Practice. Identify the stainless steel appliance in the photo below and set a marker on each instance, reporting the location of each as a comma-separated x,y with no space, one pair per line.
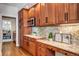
32,22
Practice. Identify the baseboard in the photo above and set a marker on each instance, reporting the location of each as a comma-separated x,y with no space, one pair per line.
17,45
8,40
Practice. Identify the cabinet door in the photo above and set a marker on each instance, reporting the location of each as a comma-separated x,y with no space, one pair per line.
25,18
60,13
41,51
31,12
42,20
72,13
27,30
50,14
26,43
37,14
32,48
38,50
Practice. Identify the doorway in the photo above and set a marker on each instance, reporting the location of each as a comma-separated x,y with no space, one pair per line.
8,29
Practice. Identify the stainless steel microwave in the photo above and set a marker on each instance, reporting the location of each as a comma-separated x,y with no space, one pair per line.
31,22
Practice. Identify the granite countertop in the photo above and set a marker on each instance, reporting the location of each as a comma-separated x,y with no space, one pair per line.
0,49
67,47
32,36
64,46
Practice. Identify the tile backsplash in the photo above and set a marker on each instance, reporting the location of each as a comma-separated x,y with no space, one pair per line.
72,29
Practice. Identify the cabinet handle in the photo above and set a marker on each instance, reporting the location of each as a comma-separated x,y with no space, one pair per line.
66,16
65,53
46,19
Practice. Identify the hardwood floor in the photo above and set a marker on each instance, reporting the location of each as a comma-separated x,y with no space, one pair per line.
9,49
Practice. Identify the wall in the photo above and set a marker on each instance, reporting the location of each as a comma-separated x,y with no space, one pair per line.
0,28
11,12
72,29
8,10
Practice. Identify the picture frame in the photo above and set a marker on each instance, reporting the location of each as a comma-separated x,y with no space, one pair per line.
58,37
66,38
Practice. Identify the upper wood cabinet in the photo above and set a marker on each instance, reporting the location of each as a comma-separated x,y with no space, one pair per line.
37,14
60,12
66,13
50,14
73,13
55,13
42,12
47,14
31,12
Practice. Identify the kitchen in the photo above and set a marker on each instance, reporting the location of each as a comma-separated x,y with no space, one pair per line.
50,29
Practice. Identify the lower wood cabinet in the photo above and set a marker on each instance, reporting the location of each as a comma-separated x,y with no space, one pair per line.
41,49
32,48
26,43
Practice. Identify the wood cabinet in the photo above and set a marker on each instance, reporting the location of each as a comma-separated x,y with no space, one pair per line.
30,45
20,16
31,12
23,28
64,52
67,13
37,48
41,50
32,48
73,13
50,14
47,14
60,9
42,16
26,43
37,14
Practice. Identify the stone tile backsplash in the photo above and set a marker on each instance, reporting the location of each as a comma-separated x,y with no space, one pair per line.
72,29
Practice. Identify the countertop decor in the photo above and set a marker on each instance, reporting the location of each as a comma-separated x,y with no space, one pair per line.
50,36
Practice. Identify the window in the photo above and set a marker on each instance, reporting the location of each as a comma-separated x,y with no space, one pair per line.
6,25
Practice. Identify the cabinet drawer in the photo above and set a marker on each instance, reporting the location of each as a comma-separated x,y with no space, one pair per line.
48,46
65,52
32,39
41,44
62,51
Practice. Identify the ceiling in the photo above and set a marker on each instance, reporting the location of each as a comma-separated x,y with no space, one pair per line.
19,5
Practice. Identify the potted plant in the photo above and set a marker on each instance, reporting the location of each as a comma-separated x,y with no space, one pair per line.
50,36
